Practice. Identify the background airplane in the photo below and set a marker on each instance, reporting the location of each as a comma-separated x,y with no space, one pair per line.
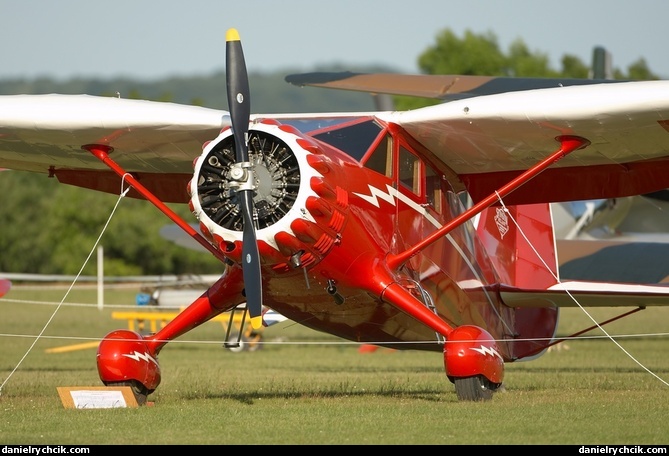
5,286
354,223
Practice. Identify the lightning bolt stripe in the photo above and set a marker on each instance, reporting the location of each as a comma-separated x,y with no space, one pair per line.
391,194
486,351
143,356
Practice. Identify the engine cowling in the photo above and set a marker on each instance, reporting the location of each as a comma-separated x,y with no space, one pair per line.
298,212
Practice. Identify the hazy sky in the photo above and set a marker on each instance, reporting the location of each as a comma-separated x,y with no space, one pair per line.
150,39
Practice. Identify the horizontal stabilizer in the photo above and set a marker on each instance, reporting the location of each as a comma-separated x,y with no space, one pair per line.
587,294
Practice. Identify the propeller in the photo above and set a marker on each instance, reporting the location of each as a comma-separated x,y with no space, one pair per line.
240,111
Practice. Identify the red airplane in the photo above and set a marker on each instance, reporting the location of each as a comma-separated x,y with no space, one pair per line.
359,224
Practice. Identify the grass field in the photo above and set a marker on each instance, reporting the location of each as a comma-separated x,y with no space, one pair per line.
304,387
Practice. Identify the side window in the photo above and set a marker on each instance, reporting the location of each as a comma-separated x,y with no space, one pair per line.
423,180
409,170
381,160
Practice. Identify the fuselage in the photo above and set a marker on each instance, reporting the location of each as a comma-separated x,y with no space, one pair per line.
365,190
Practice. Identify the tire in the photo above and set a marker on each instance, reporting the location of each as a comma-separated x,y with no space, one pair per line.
235,344
476,388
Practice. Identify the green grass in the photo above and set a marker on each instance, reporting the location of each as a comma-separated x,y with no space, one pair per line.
304,387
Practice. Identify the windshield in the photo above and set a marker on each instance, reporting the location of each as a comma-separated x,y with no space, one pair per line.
352,135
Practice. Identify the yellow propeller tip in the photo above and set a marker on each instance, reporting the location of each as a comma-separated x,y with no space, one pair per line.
256,322
232,35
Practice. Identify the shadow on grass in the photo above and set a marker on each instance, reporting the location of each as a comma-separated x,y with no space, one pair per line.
49,369
250,397
589,370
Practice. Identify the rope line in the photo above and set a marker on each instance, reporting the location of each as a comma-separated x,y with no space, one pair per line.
342,342
123,193
74,281
557,279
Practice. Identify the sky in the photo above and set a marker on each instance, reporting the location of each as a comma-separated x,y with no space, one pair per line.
152,40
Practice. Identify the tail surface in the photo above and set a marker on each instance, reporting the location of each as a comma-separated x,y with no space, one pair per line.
521,245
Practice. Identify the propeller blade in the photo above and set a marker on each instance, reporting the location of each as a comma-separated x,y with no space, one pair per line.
239,98
238,93
251,263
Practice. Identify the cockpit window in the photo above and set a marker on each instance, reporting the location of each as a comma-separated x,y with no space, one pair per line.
312,124
352,135
355,139
381,158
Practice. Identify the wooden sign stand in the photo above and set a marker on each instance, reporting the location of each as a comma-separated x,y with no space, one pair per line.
90,397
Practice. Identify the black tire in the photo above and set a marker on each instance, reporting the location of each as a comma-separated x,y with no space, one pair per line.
235,344
475,388
138,390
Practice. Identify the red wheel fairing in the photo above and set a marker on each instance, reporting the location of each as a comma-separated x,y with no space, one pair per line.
123,355
472,351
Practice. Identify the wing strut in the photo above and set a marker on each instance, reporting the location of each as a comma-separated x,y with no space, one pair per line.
102,152
568,144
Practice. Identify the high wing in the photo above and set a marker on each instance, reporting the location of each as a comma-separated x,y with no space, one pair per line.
498,128
156,141
498,135
485,138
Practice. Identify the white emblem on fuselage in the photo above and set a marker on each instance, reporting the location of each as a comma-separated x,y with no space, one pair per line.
502,221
